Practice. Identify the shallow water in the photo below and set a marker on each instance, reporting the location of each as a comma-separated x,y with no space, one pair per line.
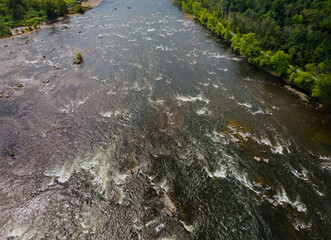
157,91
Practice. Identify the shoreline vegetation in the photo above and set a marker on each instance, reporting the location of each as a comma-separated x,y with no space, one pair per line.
252,28
25,16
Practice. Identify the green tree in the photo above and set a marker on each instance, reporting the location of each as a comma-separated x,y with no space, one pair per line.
280,61
322,88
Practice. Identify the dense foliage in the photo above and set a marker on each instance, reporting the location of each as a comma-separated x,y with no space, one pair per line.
291,37
32,12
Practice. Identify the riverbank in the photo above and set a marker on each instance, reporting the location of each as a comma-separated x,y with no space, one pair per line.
308,79
91,3
31,23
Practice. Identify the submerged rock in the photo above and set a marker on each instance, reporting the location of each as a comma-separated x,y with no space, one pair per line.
299,174
10,152
301,95
258,186
78,61
273,201
170,207
237,134
19,85
268,188
257,159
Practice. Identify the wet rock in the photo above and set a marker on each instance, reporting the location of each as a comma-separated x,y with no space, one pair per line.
266,160
170,207
257,159
134,171
78,61
273,201
243,136
234,140
232,128
301,95
237,135
45,81
100,36
10,152
128,7
19,85
79,31
263,188
299,174
275,204
27,41
115,8
258,186
44,56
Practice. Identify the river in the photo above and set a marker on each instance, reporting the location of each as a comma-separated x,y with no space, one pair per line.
162,133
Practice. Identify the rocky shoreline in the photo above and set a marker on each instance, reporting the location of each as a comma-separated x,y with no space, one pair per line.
88,5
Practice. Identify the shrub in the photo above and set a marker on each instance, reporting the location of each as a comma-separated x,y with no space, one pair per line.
79,9
79,58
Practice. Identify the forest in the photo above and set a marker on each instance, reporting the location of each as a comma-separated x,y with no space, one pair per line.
30,13
289,37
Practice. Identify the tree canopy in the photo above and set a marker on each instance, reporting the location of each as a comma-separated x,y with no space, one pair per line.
291,37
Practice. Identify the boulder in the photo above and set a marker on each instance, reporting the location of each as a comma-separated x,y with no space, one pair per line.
170,207
258,186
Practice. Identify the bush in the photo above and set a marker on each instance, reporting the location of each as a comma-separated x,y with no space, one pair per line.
303,79
78,9
79,58
5,31
322,88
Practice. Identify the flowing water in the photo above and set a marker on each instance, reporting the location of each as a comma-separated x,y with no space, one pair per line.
162,96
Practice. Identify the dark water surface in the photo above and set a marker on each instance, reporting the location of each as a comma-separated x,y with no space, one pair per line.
159,92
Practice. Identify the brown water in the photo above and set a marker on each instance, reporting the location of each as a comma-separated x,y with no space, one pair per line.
160,92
